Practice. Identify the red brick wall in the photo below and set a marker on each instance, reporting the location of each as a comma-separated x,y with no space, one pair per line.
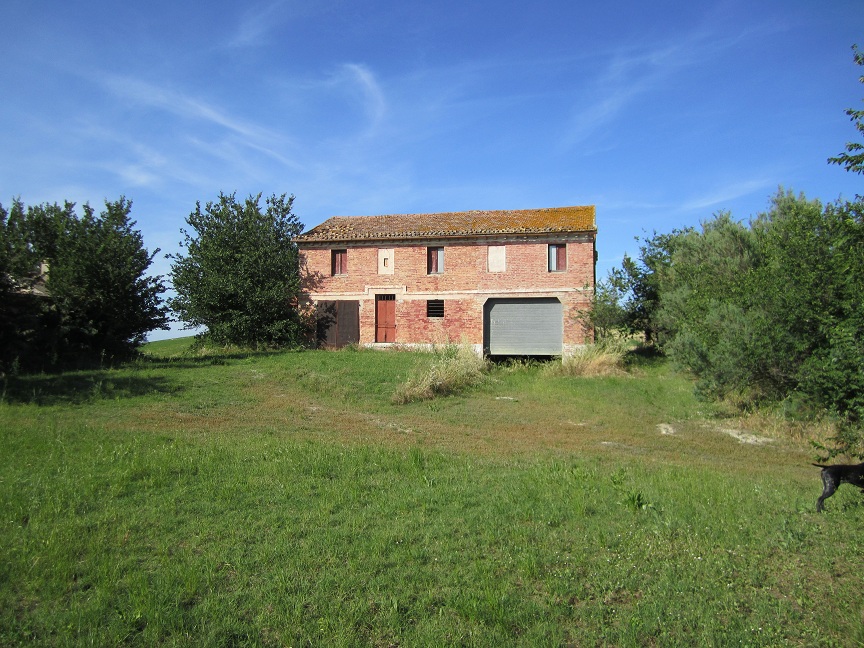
464,286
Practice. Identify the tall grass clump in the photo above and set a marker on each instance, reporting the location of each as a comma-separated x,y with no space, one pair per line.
453,368
604,358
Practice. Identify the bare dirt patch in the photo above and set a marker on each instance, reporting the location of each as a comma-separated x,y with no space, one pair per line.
746,437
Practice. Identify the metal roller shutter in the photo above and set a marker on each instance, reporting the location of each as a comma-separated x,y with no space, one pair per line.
528,326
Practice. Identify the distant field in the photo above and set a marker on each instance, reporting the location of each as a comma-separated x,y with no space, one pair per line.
284,499
171,347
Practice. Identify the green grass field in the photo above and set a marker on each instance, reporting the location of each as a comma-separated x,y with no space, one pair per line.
285,499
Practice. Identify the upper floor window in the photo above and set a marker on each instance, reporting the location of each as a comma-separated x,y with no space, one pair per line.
557,257
435,260
338,262
496,258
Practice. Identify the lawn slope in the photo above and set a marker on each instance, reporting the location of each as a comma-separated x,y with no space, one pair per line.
284,499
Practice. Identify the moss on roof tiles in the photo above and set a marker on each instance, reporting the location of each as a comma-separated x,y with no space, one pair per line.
469,223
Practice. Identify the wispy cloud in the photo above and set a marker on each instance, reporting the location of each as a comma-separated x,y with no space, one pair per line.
626,77
148,94
256,23
94,147
250,135
375,103
633,72
721,196
618,209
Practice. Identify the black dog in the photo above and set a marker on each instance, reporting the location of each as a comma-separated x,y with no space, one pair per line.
833,476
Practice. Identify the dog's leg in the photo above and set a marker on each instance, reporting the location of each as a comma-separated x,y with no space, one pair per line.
829,486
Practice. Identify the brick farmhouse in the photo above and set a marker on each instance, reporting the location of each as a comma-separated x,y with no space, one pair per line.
506,282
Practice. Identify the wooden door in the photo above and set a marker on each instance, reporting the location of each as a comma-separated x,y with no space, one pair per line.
385,318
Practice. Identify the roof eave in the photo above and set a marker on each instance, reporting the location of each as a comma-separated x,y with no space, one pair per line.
433,236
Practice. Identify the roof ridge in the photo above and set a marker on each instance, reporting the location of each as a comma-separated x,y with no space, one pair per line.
576,218
470,211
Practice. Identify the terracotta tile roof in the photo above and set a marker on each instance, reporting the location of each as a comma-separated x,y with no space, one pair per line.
470,223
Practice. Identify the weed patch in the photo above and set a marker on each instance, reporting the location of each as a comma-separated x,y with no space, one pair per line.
452,369
601,359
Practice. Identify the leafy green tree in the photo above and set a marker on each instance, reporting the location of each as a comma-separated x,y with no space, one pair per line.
832,373
94,300
637,284
239,276
97,280
704,305
606,317
771,310
24,337
16,255
794,284
8,321
853,158
6,252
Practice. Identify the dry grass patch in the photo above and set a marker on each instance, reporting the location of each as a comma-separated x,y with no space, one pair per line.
453,368
601,359
774,425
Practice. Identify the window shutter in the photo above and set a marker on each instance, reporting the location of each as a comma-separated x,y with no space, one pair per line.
557,258
339,263
435,260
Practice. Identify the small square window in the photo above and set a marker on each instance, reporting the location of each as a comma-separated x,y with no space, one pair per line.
434,308
434,260
338,262
557,258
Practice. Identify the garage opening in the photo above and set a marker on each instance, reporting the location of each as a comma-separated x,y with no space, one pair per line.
338,323
523,327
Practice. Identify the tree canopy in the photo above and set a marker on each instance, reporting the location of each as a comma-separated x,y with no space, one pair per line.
853,158
769,311
74,288
762,312
239,276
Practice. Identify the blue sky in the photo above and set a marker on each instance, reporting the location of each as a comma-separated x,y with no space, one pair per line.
659,113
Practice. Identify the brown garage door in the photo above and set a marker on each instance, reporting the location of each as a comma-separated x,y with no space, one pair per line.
338,323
